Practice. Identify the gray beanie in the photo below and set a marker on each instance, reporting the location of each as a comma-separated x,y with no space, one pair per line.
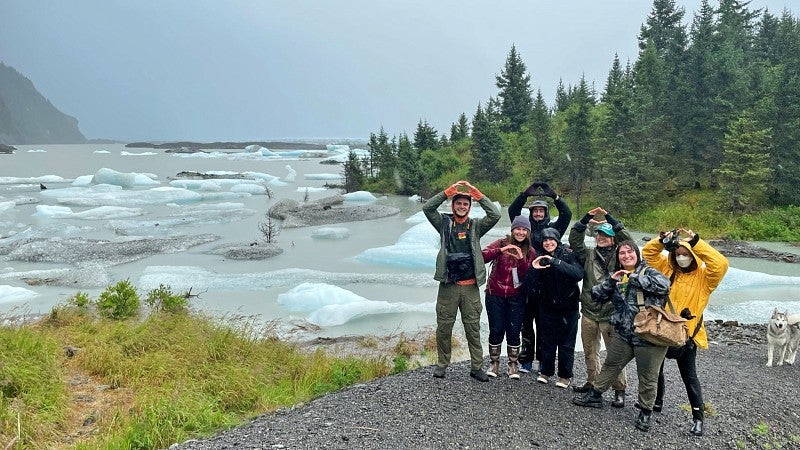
521,222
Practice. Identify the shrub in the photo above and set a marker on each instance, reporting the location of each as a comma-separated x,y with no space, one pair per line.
80,300
119,301
162,299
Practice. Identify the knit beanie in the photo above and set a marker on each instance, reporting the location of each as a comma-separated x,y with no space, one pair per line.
521,222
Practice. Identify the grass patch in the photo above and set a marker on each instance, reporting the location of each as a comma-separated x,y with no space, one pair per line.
166,378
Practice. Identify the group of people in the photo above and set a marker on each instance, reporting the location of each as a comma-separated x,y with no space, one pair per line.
539,290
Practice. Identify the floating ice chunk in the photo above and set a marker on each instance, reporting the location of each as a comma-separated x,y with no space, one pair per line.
291,175
10,294
254,189
102,151
332,305
113,195
83,180
338,147
37,151
124,153
418,217
311,189
322,176
99,213
126,180
36,180
414,198
359,196
416,248
331,233
183,216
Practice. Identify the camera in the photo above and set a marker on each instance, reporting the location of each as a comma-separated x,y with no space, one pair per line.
544,262
686,314
671,243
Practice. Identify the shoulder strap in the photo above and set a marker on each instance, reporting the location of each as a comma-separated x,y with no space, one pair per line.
640,296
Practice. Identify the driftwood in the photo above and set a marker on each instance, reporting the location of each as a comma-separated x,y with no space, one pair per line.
188,294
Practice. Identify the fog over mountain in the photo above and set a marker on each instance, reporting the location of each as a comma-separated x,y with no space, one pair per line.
243,70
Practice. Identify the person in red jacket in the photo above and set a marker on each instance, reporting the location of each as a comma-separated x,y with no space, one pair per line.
511,257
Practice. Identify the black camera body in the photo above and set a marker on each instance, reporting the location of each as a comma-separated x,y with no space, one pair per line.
672,243
544,262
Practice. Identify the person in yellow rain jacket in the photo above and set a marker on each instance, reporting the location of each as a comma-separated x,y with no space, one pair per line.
695,269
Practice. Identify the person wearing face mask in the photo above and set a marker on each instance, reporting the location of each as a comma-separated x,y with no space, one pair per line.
539,215
460,270
598,263
632,279
511,257
695,269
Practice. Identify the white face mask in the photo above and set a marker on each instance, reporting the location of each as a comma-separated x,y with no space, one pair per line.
684,260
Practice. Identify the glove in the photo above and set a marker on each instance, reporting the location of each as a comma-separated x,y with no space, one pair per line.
549,192
531,191
475,193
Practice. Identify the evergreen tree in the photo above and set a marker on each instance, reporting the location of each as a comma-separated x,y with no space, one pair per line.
426,137
486,149
353,175
578,140
460,130
562,98
409,171
744,173
515,92
540,157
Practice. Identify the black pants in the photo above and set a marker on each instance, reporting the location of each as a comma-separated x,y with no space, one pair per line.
688,369
531,348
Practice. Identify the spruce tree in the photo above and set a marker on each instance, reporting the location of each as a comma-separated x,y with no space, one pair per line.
409,172
515,92
744,172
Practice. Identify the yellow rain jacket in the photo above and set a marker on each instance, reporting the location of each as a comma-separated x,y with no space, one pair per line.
690,289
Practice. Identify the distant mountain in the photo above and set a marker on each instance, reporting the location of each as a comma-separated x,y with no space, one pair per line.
26,117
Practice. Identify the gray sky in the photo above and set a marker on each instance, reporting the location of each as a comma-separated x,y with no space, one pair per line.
249,70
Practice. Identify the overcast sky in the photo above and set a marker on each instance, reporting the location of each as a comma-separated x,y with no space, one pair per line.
252,70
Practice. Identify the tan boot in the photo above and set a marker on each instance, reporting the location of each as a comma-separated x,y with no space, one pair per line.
513,361
494,360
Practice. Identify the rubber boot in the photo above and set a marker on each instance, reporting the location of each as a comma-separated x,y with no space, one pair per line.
697,419
494,360
513,361
592,399
643,421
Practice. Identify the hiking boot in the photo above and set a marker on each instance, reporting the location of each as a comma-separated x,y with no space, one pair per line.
494,358
479,374
592,399
697,427
513,365
582,389
643,421
657,407
526,367
438,371
619,399
563,383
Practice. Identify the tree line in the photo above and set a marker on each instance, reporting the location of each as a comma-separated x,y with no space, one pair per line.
712,104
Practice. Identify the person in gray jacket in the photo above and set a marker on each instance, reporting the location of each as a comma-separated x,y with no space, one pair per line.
460,270
598,263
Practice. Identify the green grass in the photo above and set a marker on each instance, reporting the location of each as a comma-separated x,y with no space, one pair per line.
185,375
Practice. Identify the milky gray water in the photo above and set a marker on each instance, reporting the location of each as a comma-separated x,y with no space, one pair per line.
372,276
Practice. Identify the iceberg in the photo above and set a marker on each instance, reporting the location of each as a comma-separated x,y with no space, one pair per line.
331,305
416,248
331,233
10,294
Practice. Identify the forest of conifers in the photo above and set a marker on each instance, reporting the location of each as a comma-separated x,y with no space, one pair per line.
711,104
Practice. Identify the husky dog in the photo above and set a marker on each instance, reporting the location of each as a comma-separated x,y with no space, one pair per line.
794,338
777,336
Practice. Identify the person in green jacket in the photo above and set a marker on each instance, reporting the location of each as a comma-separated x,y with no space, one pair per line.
460,270
598,263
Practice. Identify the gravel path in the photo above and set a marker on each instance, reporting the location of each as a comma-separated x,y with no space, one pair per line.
755,407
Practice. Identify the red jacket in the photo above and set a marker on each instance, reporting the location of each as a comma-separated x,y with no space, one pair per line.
501,281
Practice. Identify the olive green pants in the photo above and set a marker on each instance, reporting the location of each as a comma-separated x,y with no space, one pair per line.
591,333
648,363
450,299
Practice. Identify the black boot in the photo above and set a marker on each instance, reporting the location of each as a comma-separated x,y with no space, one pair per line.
643,421
582,389
697,419
592,399
619,399
479,375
